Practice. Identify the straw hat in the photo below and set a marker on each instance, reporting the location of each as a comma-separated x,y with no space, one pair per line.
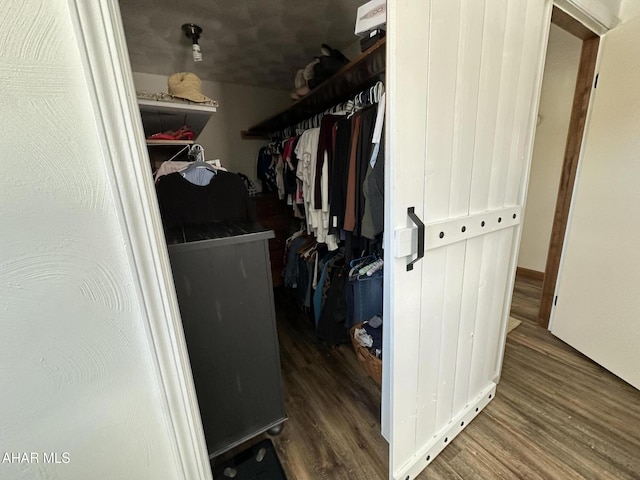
187,85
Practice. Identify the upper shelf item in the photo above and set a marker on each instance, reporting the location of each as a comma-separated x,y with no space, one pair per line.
353,77
159,116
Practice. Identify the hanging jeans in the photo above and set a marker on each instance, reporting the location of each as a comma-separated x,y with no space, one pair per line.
364,298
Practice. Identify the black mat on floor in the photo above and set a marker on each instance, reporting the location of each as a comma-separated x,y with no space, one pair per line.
259,462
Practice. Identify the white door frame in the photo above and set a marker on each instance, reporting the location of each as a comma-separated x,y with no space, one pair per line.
594,14
99,33
103,48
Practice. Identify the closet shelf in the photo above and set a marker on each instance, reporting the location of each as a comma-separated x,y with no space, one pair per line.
152,143
347,82
160,116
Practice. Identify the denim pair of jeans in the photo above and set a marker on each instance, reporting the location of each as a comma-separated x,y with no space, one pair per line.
364,298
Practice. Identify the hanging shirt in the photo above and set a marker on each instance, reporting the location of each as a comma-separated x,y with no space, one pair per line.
350,201
339,174
377,131
279,175
198,176
176,166
363,157
317,219
325,156
307,152
183,203
266,170
373,189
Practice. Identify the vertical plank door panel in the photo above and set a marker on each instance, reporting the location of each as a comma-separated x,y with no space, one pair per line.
460,121
407,57
442,71
467,91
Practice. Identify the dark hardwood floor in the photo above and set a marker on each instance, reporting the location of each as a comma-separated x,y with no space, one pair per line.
556,415
526,299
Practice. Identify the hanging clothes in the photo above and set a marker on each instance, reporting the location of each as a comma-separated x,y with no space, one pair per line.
177,166
363,158
266,170
325,266
331,326
317,219
373,190
182,203
279,170
325,158
339,174
334,169
350,200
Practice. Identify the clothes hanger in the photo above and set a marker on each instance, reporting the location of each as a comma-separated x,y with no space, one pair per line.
199,165
199,172
186,147
379,90
197,151
356,104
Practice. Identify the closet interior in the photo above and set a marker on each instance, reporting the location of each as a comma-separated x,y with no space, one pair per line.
276,250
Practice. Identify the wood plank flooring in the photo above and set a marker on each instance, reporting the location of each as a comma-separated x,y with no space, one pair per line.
526,299
556,415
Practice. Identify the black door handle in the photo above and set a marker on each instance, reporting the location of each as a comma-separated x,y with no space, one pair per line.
418,222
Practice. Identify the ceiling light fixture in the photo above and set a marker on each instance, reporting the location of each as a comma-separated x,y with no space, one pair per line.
193,31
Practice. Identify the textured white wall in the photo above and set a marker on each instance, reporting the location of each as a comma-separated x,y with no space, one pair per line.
558,86
241,107
614,6
629,9
76,371
598,303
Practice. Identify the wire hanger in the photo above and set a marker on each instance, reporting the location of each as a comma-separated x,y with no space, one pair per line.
370,96
197,152
186,147
199,172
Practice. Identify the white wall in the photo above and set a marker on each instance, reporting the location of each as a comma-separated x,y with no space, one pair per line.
613,6
76,371
598,302
629,9
560,71
240,107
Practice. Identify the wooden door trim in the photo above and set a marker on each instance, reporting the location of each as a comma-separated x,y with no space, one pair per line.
529,273
582,96
569,24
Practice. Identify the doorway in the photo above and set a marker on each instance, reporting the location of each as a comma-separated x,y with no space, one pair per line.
498,56
568,79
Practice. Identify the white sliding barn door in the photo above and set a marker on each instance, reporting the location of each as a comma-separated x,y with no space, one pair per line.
463,82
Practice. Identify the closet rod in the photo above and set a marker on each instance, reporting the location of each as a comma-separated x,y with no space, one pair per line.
353,77
368,96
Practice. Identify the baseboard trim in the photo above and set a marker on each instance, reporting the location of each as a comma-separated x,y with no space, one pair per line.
528,273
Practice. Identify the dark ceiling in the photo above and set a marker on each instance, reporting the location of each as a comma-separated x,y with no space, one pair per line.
251,42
